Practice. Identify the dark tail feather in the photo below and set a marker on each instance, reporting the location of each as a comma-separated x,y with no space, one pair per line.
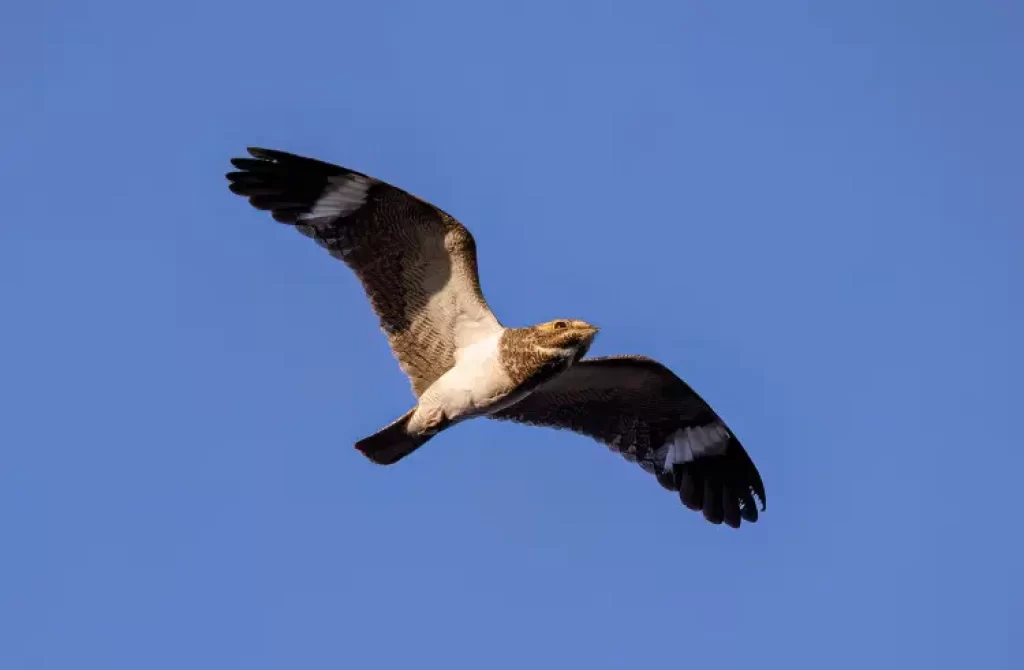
393,443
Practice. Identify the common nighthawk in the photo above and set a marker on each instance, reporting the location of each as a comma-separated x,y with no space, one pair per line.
418,266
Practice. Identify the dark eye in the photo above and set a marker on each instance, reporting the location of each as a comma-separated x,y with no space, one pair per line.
560,324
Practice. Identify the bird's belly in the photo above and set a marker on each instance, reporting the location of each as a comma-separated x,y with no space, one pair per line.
472,388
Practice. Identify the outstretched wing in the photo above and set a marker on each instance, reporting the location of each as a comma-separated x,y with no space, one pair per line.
642,410
416,263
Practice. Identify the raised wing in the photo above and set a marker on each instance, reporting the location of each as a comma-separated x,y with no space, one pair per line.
416,263
642,410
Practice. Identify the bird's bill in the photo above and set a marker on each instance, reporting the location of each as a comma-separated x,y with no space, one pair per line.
585,333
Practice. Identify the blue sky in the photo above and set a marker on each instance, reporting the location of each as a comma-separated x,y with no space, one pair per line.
812,212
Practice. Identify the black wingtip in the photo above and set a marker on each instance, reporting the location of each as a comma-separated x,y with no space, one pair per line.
730,507
713,509
723,488
260,152
287,185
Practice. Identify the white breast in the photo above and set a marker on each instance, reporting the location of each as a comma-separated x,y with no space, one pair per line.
480,353
476,385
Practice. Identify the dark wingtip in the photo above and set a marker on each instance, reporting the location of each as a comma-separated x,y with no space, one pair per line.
691,487
758,487
713,510
751,478
725,488
730,508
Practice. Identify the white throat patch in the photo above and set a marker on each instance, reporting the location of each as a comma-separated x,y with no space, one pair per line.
561,352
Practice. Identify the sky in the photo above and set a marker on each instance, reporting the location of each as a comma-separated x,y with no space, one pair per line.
812,212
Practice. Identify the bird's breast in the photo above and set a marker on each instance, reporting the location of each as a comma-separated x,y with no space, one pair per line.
477,384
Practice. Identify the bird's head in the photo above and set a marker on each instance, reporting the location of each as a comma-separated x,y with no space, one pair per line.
533,355
565,338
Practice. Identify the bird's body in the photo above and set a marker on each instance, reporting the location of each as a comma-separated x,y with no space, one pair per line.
418,266
489,375
476,385
498,370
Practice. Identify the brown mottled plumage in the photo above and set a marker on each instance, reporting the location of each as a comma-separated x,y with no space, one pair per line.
418,267
524,352
404,251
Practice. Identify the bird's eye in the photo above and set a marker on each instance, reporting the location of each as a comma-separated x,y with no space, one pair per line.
560,324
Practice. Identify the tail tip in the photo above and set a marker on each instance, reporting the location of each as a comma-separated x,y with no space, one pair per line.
379,454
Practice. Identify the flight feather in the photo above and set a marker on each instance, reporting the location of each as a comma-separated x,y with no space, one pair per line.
417,264
642,410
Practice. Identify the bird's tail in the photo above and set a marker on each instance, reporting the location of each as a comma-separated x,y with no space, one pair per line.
393,443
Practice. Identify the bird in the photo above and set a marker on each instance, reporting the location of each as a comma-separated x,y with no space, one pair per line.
417,265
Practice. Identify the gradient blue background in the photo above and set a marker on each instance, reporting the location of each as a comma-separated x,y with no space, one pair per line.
812,213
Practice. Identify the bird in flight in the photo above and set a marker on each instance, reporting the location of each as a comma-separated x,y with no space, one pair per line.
418,267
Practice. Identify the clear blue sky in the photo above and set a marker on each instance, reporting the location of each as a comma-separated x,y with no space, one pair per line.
812,212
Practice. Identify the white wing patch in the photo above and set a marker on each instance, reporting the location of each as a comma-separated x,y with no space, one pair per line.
344,194
688,444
